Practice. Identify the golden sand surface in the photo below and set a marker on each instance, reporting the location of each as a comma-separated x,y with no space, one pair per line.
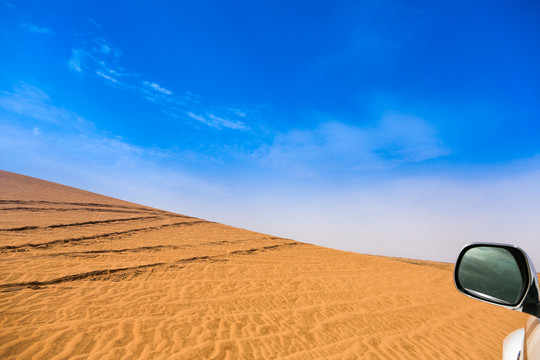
84,276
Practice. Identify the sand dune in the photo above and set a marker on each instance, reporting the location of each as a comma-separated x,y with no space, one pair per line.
84,276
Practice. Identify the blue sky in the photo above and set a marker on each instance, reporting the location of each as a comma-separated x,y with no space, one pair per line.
392,127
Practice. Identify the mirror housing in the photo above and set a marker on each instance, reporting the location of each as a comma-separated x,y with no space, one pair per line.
498,274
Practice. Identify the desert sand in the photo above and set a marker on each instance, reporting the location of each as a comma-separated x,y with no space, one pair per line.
85,276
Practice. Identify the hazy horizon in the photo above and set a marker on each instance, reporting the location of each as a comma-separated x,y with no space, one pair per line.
391,128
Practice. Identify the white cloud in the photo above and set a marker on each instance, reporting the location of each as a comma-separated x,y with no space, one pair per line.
93,22
231,124
157,88
99,57
83,61
36,29
104,47
107,77
66,130
9,5
70,130
407,138
330,144
217,122
334,145
29,101
239,112
75,61
198,118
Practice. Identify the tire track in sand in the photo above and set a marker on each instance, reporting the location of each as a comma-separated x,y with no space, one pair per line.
54,226
105,274
34,202
23,247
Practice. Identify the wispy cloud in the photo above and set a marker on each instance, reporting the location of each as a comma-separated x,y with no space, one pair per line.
36,29
218,122
157,88
231,124
407,138
106,77
99,57
101,45
9,5
93,22
75,61
198,118
27,101
333,145
238,112
31,102
100,60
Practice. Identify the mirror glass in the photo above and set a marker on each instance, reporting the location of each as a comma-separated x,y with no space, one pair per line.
491,273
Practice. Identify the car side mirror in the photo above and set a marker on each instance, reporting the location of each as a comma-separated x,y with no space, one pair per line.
498,274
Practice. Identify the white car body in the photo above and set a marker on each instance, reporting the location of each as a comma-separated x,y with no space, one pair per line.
513,345
524,343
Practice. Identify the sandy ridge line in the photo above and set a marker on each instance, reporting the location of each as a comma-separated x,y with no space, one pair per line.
36,209
35,284
441,266
82,238
32,202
